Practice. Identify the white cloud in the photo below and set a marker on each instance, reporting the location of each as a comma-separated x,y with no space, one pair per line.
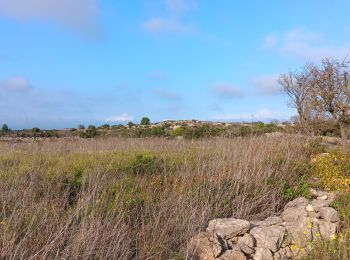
308,45
263,115
227,91
159,24
121,118
172,22
267,85
77,14
15,84
177,6
270,41
167,94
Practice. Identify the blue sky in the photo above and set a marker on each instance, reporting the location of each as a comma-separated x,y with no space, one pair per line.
66,62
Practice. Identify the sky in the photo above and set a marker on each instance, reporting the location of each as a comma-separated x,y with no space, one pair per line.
70,62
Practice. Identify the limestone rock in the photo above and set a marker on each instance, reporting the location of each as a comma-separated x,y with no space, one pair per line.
316,193
255,223
269,237
228,227
324,197
283,237
292,214
205,246
313,214
233,241
283,254
262,254
329,213
274,220
287,240
317,204
315,230
288,252
327,229
300,231
299,202
278,256
246,249
309,208
232,255
322,194
295,250
247,239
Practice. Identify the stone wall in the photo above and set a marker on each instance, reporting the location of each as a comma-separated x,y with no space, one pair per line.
286,236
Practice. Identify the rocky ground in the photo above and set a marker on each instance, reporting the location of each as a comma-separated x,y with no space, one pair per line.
289,235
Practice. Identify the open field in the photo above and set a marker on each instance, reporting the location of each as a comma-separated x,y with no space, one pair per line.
137,198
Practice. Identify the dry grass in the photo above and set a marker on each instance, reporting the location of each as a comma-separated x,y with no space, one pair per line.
133,198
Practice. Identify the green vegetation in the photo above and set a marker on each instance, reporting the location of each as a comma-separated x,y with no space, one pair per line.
5,128
145,121
146,196
89,132
130,124
188,130
178,131
117,198
332,171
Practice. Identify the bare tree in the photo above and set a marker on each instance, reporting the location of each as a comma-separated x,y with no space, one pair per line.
331,92
297,86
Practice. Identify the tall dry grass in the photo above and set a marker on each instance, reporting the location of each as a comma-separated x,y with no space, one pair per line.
133,198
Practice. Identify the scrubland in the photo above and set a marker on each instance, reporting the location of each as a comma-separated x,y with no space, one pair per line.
117,198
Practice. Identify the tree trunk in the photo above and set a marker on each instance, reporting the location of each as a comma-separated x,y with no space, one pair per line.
344,138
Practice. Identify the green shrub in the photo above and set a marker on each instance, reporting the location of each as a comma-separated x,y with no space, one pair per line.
74,184
105,126
145,121
260,125
301,189
5,128
178,131
90,132
145,163
130,124
245,131
157,131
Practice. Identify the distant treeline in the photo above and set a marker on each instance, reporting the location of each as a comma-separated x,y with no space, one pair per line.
176,129
183,130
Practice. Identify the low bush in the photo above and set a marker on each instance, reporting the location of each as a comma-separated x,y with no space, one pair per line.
333,171
89,132
145,163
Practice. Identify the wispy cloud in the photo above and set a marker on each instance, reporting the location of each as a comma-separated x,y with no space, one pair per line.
79,15
15,84
269,41
263,115
266,85
120,118
28,105
172,21
159,24
157,75
167,94
226,91
306,45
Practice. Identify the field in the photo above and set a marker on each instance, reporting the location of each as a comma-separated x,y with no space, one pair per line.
138,198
